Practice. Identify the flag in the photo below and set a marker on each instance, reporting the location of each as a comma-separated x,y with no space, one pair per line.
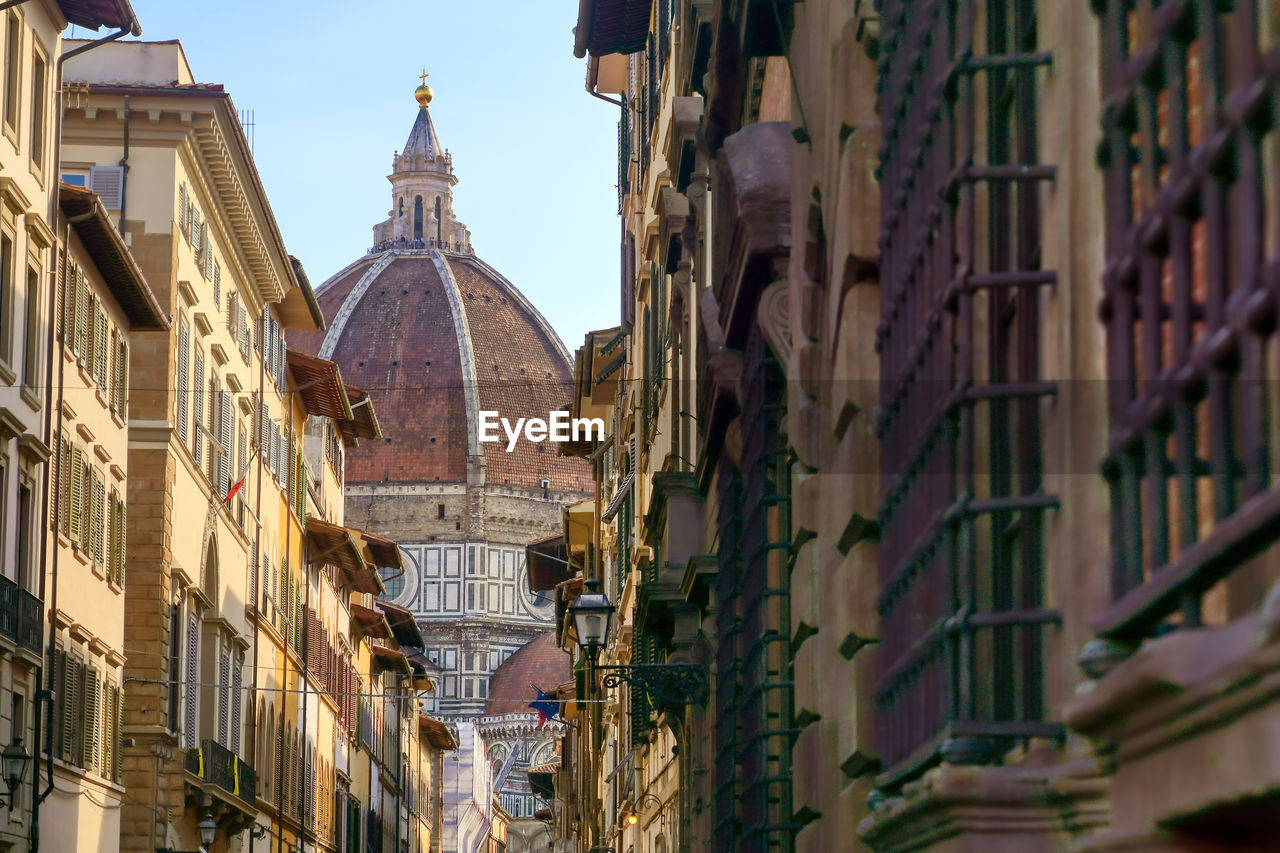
545,705
244,475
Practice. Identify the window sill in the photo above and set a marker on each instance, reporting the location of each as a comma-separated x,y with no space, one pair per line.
97,569
31,398
80,555
6,373
115,587
117,420
11,134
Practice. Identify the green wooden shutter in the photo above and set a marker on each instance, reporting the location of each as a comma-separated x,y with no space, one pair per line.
80,340
74,711
101,344
123,541
76,509
197,415
91,756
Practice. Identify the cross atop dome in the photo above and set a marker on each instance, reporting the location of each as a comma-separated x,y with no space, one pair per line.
423,93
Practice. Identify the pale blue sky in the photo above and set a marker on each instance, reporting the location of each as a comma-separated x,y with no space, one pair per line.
331,86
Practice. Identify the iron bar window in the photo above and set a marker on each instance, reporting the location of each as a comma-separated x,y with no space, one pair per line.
962,392
1189,308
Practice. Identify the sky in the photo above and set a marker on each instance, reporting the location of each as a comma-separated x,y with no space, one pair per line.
330,86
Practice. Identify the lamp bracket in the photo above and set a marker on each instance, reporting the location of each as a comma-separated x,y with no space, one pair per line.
666,683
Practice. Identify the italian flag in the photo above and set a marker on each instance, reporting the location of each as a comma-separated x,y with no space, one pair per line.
244,475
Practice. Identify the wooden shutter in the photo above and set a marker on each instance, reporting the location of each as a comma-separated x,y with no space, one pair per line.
101,345
74,718
184,203
224,703
91,757
242,331
193,672
120,376
108,183
225,438
68,335
233,305
237,698
75,510
97,515
111,757
198,407
197,232
66,714
184,384
65,468
80,345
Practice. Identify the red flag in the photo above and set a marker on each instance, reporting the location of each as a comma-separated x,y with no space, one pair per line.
244,475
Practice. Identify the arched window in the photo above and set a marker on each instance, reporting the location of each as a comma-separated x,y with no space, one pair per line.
401,209
417,218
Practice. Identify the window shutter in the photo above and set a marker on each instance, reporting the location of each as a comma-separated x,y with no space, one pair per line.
91,757
64,486
254,576
71,732
193,660
108,183
69,306
233,304
81,347
111,768
99,511
224,705
215,275
236,702
197,232
123,381
242,331
75,512
183,204
184,362
198,412
101,342
226,428
122,514
66,717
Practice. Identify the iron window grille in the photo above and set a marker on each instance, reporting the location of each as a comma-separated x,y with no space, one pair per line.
962,499
1189,308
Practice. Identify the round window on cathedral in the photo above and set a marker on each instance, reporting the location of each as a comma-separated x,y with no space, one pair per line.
540,604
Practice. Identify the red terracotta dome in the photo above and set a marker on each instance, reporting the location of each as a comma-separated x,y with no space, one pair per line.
434,337
539,662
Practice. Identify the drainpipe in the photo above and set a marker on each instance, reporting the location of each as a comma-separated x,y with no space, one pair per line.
124,165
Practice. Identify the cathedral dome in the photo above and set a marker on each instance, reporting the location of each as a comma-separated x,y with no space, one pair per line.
540,663
435,335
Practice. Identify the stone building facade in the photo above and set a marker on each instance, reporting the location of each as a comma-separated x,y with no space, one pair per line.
983,335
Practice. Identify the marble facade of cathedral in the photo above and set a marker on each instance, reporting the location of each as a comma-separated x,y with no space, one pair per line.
434,335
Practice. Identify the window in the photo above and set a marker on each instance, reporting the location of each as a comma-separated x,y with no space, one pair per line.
1190,322
184,378
27,538
12,69
440,511
38,108
962,506
417,218
6,296
31,332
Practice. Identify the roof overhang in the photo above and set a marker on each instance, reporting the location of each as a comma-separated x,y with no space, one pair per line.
391,660
380,551
548,563
112,257
343,547
403,624
319,381
541,781
371,623
436,733
95,14
363,422
611,26
299,309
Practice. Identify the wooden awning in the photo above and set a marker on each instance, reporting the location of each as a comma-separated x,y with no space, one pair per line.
371,622
403,624
319,381
111,256
548,563
436,733
363,422
380,551
391,660
333,543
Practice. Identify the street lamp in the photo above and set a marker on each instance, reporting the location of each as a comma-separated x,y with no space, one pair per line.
665,683
208,830
592,613
13,765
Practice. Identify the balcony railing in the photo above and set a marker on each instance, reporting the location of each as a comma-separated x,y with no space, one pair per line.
217,765
21,616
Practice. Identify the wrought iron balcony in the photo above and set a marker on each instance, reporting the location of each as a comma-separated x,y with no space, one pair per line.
217,765
21,616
